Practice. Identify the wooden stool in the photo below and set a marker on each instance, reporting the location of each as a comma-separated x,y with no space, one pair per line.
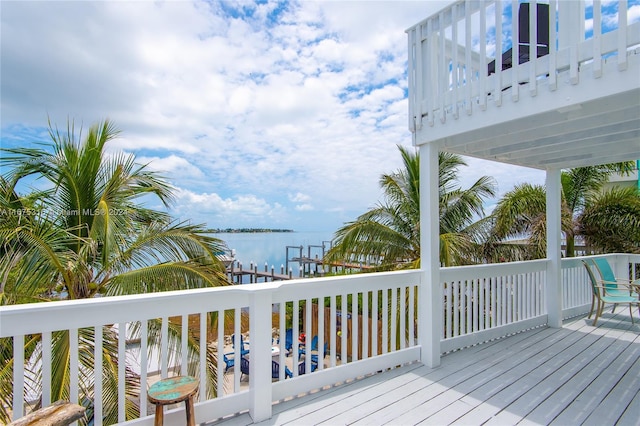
171,391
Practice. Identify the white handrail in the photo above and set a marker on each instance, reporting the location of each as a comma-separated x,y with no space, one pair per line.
480,303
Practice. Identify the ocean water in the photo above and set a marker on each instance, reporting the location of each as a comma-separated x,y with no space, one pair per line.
270,248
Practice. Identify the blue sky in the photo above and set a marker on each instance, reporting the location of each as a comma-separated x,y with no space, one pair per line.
261,114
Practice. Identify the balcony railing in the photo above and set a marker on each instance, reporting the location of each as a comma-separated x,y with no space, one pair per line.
369,322
469,54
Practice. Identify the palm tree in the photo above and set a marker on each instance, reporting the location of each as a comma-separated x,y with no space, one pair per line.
519,225
390,232
611,221
88,233
521,213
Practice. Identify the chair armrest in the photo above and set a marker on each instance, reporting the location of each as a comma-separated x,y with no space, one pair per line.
631,286
619,281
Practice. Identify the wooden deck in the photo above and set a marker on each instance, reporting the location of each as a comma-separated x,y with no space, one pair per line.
579,374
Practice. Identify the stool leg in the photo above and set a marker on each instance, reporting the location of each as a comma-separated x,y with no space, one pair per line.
159,415
190,413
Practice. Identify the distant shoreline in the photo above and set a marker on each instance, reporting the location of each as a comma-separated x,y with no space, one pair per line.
249,230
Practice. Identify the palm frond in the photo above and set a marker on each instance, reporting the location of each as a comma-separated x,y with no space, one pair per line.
164,277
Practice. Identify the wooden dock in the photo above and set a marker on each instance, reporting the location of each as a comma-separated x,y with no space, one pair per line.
309,267
335,265
237,273
315,265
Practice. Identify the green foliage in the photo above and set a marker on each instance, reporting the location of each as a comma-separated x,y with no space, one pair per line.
611,221
389,234
521,214
88,233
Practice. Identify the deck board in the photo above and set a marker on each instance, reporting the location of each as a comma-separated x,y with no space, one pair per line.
534,387
632,413
515,377
325,407
573,375
610,382
569,390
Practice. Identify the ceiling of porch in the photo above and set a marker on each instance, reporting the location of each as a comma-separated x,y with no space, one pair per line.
597,132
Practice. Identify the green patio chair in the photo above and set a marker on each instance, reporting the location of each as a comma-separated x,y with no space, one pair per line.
600,295
611,282
609,277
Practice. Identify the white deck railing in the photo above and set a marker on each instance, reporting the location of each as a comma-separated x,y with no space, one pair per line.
489,301
480,303
460,58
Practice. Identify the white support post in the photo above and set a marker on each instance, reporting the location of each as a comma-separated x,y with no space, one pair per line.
554,241
430,293
260,391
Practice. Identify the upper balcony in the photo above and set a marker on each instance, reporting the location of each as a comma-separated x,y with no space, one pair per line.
476,89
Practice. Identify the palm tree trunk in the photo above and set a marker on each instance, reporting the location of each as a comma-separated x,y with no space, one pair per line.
571,246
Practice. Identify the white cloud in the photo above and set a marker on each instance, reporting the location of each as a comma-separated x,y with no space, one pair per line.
299,197
219,211
304,207
171,165
285,116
